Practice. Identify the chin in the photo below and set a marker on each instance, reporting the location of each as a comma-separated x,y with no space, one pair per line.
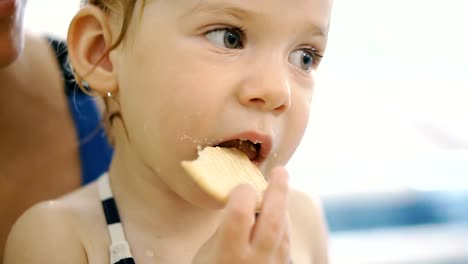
197,196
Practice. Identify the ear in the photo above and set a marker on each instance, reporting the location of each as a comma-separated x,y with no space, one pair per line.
89,39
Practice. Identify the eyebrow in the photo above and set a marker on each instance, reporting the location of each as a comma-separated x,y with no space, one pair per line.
317,30
232,9
240,12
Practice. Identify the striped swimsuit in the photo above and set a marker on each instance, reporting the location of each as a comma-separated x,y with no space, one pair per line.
119,249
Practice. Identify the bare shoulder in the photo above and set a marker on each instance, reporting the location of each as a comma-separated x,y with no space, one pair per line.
57,231
308,225
44,234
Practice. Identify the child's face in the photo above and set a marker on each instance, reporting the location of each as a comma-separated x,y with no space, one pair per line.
189,76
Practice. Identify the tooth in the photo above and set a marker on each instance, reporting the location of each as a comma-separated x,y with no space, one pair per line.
252,148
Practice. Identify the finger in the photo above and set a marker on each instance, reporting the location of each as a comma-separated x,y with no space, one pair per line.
239,218
270,224
283,251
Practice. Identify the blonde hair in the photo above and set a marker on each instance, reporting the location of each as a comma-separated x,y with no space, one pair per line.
122,8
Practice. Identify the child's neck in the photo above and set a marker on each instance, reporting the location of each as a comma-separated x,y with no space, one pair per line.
148,204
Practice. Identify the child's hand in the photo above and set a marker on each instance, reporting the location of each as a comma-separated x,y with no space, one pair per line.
241,239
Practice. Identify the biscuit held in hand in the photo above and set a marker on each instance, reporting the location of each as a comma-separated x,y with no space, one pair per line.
219,170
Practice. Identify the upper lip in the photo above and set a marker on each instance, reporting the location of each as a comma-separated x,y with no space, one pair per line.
264,140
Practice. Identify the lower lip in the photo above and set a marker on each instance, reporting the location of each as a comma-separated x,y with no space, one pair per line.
7,8
258,162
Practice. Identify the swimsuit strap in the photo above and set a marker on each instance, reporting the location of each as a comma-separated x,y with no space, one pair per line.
119,248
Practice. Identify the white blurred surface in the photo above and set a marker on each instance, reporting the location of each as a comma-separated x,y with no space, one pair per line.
391,106
50,16
431,244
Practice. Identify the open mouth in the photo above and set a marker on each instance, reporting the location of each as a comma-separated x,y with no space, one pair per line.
255,146
249,148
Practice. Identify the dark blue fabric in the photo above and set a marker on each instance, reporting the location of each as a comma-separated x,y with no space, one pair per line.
95,151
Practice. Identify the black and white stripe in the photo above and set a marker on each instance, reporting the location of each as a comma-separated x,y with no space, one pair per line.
119,249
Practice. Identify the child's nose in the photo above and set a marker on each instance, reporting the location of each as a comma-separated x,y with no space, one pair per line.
268,90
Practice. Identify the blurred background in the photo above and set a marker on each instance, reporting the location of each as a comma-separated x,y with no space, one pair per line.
387,144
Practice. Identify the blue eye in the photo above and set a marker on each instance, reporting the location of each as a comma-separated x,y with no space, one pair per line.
226,38
304,59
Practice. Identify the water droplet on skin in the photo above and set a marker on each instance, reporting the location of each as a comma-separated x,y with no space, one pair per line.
149,253
185,137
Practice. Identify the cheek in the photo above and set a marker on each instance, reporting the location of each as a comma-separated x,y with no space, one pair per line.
294,127
172,104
